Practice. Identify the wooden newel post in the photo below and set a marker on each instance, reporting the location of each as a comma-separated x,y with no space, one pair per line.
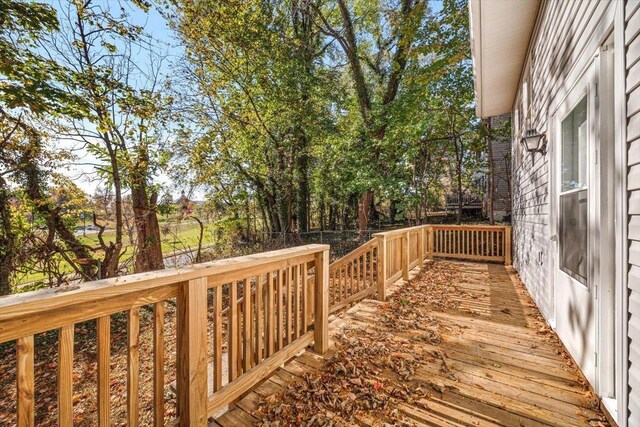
405,255
507,245
430,241
382,266
321,303
192,353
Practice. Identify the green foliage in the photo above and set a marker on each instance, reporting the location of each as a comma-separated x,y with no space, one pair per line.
286,114
27,79
390,121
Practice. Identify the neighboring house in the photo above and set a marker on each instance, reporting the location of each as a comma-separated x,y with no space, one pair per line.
475,202
500,151
570,71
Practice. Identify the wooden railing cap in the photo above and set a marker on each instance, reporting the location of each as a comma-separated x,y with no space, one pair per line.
470,226
399,231
20,304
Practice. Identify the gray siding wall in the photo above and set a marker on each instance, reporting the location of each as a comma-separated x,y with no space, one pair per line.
632,59
561,35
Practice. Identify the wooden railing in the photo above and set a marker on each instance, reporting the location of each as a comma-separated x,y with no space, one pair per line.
473,242
283,313
262,309
401,250
353,277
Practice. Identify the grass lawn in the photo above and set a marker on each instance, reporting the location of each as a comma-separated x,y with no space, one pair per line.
186,237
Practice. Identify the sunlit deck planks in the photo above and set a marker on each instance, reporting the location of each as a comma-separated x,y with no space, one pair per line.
498,364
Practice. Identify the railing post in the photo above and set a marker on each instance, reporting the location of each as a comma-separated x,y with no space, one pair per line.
507,245
321,300
382,266
430,232
405,255
192,353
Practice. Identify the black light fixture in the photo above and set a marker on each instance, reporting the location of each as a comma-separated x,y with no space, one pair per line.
534,141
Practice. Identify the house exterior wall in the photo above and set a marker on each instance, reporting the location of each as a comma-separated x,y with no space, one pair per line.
561,37
632,86
566,35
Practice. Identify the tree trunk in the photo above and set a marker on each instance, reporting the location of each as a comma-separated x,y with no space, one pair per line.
333,216
393,210
145,214
7,240
149,251
263,214
321,212
200,238
33,189
363,213
303,190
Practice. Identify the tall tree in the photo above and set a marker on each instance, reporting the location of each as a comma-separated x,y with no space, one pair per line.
103,47
394,32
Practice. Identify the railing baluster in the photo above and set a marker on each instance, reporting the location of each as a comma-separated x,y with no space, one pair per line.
133,363
296,305
217,338
247,326
405,255
360,276
270,323
65,376
158,364
234,331
371,282
305,299
289,305
310,287
26,402
341,283
104,360
259,320
348,276
281,275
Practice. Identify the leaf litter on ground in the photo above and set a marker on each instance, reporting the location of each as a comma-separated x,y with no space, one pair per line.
372,368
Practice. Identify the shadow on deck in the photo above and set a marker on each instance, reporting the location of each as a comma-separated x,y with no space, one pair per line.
494,361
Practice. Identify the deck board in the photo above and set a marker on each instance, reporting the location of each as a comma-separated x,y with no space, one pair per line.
499,364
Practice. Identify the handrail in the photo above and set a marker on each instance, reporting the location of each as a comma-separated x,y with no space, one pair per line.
354,253
391,233
25,303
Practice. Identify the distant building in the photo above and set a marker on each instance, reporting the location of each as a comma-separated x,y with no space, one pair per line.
500,150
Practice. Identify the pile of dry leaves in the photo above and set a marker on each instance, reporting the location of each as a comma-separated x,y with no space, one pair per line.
371,367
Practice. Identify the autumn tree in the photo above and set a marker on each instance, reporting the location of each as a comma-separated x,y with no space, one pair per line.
126,114
29,92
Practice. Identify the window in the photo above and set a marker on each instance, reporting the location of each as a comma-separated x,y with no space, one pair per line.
573,193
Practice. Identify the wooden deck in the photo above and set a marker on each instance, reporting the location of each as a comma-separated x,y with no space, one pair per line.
495,362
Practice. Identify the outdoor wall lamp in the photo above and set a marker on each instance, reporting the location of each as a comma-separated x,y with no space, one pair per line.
534,141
